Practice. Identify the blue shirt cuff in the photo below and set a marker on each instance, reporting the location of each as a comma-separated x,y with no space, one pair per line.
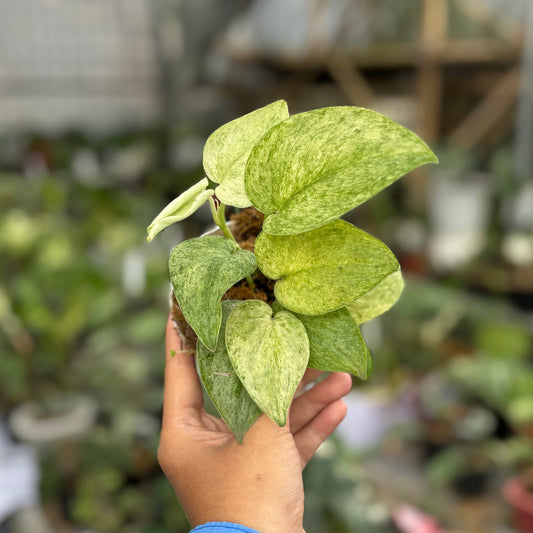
222,527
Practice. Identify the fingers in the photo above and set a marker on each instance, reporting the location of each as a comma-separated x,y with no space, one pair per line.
311,436
317,412
182,386
309,404
310,375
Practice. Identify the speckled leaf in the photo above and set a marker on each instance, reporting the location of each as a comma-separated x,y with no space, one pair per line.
380,299
336,343
313,167
324,269
269,354
222,384
227,149
201,271
182,207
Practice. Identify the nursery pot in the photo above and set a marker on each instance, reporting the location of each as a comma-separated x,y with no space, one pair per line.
518,493
459,212
66,417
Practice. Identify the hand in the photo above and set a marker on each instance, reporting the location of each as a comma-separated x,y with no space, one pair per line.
257,483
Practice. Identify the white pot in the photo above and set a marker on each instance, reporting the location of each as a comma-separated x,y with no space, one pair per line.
459,211
72,416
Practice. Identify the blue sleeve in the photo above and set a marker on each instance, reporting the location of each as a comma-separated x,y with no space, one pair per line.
222,527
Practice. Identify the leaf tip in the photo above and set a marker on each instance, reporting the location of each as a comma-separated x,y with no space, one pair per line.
150,233
432,159
281,421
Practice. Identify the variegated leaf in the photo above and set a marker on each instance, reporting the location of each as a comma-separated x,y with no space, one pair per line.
336,343
269,354
182,207
201,271
313,167
324,269
227,149
378,300
222,384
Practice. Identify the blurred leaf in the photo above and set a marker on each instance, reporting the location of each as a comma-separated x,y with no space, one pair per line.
520,410
145,326
505,340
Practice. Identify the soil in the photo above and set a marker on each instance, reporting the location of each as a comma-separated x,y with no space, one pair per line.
245,226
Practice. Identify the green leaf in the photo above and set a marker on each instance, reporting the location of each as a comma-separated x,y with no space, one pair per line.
269,354
227,149
324,269
182,207
222,384
313,167
378,300
201,271
336,343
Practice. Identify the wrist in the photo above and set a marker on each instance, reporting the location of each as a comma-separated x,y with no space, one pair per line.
222,527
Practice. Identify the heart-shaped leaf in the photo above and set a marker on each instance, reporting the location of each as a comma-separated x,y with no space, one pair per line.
201,271
227,149
324,269
378,300
222,384
313,167
182,207
269,354
336,343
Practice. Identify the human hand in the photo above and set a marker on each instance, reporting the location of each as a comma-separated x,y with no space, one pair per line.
257,483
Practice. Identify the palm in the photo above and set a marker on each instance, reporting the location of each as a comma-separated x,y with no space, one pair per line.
314,412
259,481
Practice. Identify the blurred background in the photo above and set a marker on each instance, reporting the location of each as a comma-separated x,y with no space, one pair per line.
104,110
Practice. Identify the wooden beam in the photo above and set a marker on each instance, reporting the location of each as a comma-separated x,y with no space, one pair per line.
488,112
350,81
433,39
465,51
484,15
397,55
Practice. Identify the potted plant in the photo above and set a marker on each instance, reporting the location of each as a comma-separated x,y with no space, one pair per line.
289,284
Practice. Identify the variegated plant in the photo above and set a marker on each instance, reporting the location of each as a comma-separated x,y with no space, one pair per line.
303,172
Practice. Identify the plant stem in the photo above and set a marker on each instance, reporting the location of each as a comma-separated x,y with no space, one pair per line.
222,223
220,219
219,216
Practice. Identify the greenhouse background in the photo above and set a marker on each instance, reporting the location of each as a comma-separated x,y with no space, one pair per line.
104,110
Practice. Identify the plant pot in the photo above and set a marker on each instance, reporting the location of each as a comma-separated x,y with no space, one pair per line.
66,417
518,493
459,212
